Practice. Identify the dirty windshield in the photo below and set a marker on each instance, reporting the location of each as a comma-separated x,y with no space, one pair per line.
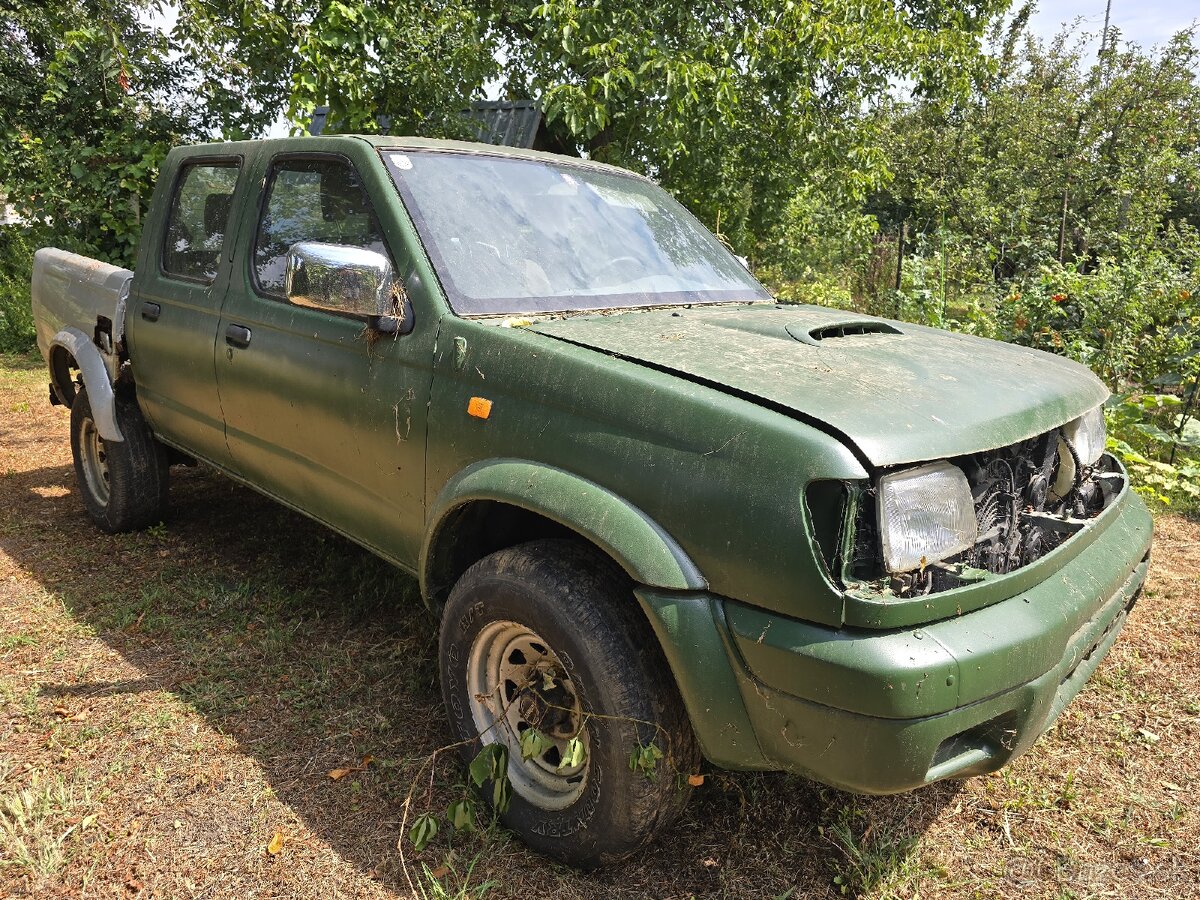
512,236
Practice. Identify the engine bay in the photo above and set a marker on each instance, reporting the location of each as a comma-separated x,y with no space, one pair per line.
1029,498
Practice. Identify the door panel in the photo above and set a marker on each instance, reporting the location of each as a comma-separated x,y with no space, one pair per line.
175,307
316,411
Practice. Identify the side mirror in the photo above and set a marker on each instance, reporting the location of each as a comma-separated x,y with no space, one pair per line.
347,279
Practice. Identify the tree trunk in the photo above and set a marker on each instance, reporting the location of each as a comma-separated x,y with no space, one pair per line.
1062,225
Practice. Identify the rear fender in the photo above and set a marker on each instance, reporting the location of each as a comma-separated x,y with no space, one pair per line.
92,367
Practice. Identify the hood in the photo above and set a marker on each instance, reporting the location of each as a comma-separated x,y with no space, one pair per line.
896,392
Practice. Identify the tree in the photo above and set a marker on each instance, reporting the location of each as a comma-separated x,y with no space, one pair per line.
1055,156
734,105
89,105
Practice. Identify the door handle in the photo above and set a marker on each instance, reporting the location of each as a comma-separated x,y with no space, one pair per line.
151,311
237,336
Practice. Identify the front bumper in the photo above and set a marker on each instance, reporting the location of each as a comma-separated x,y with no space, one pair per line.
881,712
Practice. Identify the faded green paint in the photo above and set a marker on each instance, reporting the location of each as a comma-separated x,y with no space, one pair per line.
690,628
621,530
952,662
682,443
691,458
867,711
921,394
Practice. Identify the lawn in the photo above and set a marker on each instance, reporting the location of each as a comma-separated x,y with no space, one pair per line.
172,703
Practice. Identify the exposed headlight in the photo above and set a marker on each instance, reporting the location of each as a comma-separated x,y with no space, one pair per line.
1086,435
925,514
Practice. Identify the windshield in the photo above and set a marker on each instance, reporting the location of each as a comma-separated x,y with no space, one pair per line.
513,236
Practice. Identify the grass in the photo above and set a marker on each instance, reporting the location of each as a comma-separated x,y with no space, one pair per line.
171,700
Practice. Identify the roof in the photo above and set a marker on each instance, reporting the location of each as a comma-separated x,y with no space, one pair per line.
399,142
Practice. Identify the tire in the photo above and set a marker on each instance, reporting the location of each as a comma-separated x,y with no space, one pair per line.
123,483
607,668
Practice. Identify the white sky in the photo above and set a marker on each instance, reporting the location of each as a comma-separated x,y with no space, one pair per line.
1144,22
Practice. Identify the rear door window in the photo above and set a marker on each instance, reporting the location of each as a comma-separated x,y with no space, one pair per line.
200,215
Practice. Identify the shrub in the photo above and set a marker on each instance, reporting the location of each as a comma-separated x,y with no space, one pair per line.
16,266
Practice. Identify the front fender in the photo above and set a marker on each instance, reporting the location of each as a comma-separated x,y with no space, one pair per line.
638,544
95,378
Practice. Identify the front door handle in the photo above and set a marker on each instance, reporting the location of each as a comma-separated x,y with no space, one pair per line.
151,311
237,336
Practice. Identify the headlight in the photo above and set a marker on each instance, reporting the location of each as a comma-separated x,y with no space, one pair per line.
1086,435
925,515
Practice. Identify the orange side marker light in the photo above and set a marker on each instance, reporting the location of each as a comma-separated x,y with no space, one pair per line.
479,407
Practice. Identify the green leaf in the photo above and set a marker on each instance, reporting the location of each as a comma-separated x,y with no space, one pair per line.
462,815
501,793
423,831
489,763
644,759
574,755
534,743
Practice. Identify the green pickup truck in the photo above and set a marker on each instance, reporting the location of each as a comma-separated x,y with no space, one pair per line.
661,515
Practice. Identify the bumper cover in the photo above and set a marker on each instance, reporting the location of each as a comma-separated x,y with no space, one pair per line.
881,712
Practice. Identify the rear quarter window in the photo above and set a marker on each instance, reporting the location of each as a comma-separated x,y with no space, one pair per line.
198,220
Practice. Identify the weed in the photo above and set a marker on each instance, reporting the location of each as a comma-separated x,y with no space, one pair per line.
33,823
878,858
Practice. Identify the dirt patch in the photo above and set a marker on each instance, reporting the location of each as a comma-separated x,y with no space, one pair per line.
171,701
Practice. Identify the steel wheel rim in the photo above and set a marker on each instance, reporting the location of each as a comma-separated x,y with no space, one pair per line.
516,681
94,457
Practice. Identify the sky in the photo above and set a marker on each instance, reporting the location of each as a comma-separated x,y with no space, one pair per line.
1144,22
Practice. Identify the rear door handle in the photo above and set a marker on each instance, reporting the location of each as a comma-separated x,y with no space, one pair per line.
237,336
151,311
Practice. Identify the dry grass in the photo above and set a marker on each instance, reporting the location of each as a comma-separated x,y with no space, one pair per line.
172,699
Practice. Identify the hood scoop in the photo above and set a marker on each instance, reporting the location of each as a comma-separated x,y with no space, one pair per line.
815,336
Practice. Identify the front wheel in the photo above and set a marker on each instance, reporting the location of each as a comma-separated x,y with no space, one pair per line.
548,636
123,483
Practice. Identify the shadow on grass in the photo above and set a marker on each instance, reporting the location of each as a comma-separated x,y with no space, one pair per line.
312,653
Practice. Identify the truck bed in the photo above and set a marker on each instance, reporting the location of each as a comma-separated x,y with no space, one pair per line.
76,292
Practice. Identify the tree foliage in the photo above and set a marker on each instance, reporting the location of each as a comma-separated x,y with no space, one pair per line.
927,159
1058,154
732,105
88,108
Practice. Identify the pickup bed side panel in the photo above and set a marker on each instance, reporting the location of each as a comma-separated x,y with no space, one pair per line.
79,311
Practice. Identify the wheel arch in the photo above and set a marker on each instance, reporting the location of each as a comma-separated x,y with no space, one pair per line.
499,503
71,348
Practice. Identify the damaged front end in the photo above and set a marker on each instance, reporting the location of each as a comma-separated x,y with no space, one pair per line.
981,516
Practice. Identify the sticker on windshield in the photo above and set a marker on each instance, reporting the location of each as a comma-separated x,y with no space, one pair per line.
402,161
569,179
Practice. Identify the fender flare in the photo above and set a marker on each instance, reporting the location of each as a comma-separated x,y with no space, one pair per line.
101,396
635,541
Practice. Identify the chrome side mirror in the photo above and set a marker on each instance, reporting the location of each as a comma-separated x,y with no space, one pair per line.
347,279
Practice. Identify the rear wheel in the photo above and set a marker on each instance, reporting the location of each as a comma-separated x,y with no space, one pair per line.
546,635
123,483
